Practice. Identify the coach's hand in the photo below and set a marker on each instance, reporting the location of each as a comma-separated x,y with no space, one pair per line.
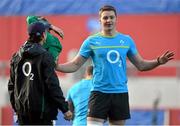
68,115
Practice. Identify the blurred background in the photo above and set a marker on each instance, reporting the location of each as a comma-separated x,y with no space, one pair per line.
153,24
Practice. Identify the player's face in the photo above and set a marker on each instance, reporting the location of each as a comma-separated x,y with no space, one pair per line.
108,20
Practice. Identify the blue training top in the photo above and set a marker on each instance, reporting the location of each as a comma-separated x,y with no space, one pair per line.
79,96
109,58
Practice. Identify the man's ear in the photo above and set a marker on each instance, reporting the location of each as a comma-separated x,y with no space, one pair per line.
44,35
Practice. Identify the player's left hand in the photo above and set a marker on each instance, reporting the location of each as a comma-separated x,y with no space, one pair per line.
165,57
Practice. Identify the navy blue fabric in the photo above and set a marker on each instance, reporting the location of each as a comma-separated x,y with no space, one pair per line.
64,7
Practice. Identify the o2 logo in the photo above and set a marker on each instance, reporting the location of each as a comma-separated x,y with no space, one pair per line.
117,57
26,68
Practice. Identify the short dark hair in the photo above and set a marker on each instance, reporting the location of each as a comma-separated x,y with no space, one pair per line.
36,28
35,31
107,8
35,39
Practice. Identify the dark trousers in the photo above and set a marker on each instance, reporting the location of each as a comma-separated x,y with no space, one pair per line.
33,120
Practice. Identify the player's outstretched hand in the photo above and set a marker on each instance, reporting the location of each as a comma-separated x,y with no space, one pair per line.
68,115
165,57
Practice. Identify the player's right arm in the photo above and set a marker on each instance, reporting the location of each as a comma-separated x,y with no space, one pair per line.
71,66
85,52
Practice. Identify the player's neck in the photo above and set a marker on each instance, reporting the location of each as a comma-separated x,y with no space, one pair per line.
109,32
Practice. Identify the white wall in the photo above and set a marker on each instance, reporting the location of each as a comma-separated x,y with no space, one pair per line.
142,91
4,99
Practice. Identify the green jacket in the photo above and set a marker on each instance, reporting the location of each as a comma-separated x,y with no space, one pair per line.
52,44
